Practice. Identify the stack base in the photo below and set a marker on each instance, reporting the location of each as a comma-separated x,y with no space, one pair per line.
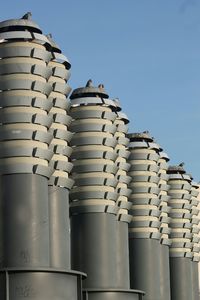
181,278
195,281
144,267
112,294
38,284
93,244
164,273
24,221
122,256
59,233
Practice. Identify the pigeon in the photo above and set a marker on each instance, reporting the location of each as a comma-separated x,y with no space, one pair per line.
181,164
89,83
27,16
49,36
101,86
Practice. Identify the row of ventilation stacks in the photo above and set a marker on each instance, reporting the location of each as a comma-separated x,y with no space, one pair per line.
87,211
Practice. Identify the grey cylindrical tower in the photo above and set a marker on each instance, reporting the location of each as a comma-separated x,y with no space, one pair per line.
164,227
144,232
181,236
94,195
26,217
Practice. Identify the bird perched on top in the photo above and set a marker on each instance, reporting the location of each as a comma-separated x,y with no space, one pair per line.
146,132
89,83
101,86
49,36
27,16
181,164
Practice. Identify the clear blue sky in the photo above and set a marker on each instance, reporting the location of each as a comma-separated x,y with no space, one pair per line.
146,52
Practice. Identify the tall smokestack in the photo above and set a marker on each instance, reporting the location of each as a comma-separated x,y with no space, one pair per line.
25,156
30,264
94,196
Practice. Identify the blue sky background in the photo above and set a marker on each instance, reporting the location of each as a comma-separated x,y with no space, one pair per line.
146,52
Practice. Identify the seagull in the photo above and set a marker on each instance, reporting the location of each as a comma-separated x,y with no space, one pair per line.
27,16
89,83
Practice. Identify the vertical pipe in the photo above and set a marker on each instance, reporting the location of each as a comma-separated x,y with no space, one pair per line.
164,272
195,280
122,250
181,278
93,248
59,228
144,265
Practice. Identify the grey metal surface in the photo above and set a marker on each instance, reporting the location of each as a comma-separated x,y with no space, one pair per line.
122,256
23,23
39,284
144,267
59,228
111,294
25,51
28,84
164,273
93,240
27,101
78,113
78,209
23,68
195,280
180,278
24,220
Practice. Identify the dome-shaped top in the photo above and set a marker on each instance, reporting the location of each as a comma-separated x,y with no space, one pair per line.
140,136
25,23
89,91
